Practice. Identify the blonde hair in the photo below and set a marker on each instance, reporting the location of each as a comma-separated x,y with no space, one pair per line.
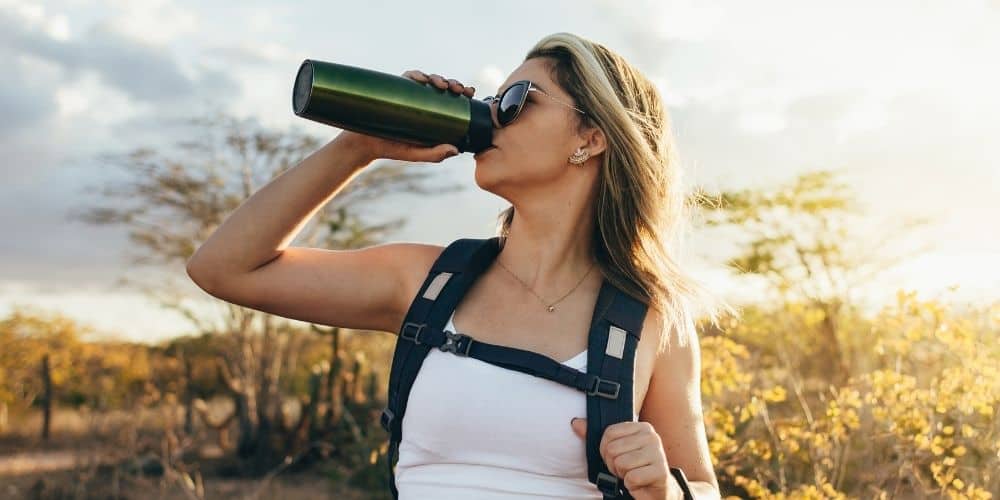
641,206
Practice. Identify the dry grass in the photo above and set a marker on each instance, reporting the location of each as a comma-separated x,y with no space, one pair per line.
104,484
103,455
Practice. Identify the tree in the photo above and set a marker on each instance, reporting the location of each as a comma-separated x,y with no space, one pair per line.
27,337
176,199
46,362
804,242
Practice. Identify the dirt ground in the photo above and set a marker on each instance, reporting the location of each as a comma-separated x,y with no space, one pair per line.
119,457
66,485
55,480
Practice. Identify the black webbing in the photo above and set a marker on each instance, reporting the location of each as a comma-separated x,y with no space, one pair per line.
515,359
615,308
465,259
608,381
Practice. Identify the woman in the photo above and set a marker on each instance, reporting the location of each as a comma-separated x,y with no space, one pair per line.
587,165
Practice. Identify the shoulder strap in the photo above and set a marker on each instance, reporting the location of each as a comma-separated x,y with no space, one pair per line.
454,271
614,336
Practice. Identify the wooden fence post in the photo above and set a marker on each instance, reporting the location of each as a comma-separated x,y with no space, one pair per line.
47,402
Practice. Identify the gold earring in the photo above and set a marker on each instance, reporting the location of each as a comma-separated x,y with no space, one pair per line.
579,156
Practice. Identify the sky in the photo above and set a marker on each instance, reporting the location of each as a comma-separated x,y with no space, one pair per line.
899,96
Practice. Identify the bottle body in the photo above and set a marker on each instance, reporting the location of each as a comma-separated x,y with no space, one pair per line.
390,106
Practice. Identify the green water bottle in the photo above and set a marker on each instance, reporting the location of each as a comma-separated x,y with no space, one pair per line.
390,106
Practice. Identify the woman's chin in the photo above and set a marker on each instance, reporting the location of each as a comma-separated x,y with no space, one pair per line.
485,177
489,175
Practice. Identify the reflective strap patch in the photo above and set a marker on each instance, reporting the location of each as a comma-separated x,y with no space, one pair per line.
436,286
616,342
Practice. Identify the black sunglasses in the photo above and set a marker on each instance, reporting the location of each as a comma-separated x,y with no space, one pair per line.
510,101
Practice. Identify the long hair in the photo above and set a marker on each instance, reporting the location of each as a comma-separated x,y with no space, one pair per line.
641,206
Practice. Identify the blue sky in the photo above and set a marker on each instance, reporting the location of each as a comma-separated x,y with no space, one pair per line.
900,95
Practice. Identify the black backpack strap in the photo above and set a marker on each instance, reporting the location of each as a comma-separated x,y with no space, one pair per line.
450,277
614,335
512,358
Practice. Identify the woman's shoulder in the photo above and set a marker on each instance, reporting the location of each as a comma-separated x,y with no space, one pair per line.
419,257
415,260
422,256
668,330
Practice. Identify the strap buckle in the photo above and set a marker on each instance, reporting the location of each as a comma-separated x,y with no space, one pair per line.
386,419
604,388
415,328
608,484
456,343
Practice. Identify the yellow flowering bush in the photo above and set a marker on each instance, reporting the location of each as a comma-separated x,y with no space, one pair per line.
916,416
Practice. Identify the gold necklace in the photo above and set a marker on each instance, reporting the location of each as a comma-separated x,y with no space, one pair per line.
550,307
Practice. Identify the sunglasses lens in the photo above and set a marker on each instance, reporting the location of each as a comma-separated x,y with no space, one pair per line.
510,103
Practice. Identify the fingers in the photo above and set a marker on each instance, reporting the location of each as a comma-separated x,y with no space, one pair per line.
624,445
621,430
440,153
440,82
627,445
620,463
434,154
416,75
645,475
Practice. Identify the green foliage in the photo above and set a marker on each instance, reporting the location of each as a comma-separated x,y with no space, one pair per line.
804,237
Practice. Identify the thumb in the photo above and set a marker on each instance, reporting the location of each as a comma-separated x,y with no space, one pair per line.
579,426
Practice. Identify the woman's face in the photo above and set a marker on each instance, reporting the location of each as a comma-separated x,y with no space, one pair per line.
533,150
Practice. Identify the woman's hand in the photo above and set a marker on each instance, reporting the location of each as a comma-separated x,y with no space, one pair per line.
634,453
372,147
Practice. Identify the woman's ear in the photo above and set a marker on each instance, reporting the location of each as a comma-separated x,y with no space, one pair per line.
596,141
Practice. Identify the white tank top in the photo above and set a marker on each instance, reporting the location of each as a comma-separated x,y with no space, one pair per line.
476,430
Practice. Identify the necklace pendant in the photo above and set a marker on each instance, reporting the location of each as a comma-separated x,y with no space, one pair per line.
552,308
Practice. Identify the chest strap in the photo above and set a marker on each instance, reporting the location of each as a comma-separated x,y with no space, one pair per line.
511,358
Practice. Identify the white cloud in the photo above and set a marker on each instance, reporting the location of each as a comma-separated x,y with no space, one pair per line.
672,98
759,58
671,19
88,99
763,122
252,52
72,101
58,28
862,117
32,13
686,19
156,22
488,80
261,19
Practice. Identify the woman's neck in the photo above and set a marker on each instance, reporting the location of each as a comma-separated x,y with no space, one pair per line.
549,248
